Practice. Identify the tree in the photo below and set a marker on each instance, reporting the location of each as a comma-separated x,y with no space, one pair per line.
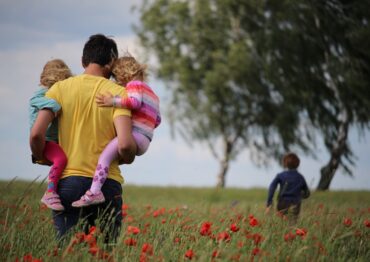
249,74
319,50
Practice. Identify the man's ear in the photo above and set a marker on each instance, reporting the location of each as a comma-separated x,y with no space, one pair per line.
83,64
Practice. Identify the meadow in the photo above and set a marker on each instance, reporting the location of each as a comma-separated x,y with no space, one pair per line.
198,224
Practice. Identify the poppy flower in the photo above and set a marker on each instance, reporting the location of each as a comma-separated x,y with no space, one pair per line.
367,223
29,258
90,239
130,242
133,230
256,251
93,250
147,248
177,240
289,237
257,238
347,222
234,227
223,236
216,253
253,221
189,254
92,230
205,229
301,232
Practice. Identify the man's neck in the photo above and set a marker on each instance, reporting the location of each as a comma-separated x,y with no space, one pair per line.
95,70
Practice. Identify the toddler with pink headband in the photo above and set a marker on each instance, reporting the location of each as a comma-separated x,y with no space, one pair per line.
143,103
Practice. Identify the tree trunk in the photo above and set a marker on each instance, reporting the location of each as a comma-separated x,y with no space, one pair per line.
338,148
224,164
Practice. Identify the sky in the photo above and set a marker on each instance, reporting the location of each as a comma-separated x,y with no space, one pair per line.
33,32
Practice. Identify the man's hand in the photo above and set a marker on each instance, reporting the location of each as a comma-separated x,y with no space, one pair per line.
104,100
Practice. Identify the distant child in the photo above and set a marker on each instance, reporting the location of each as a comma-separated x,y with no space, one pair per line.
55,70
293,188
144,104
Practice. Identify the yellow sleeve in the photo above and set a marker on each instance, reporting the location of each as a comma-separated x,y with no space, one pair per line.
121,112
53,93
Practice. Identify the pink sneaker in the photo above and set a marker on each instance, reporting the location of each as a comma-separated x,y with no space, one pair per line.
52,201
89,199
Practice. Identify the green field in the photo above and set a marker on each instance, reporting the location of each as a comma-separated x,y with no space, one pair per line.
165,224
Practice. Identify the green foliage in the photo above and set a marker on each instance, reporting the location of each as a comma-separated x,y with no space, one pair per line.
170,220
264,75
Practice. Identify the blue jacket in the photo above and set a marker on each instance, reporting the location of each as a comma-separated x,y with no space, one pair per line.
292,187
37,102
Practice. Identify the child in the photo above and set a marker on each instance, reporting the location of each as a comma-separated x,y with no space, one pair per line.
293,188
53,71
145,118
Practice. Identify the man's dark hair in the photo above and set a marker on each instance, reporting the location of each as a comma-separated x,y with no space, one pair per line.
100,50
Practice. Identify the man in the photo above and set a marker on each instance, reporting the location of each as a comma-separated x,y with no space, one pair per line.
84,130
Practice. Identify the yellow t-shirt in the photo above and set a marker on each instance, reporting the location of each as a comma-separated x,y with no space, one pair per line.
84,128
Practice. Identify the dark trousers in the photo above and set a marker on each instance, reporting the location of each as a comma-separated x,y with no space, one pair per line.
289,208
109,213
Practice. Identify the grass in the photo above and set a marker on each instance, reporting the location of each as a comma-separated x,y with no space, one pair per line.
164,224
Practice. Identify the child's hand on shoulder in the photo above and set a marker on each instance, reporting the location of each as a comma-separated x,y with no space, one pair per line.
104,100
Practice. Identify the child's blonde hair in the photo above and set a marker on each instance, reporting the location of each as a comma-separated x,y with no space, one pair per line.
54,70
126,69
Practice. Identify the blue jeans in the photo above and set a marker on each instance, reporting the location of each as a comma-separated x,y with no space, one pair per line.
109,213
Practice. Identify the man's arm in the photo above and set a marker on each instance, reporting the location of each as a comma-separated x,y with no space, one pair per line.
126,143
38,131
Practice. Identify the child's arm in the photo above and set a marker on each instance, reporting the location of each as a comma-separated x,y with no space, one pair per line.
305,190
133,100
272,189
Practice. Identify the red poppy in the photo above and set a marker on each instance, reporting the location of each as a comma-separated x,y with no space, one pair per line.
80,237
223,236
256,251
347,222
367,223
253,221
93,250
133,230
216,253
189,254
143,257
177,240
257,238
130,242
234,227
90,239
205,229
92,230
289,237
301,232
29,258
159,212
147,248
